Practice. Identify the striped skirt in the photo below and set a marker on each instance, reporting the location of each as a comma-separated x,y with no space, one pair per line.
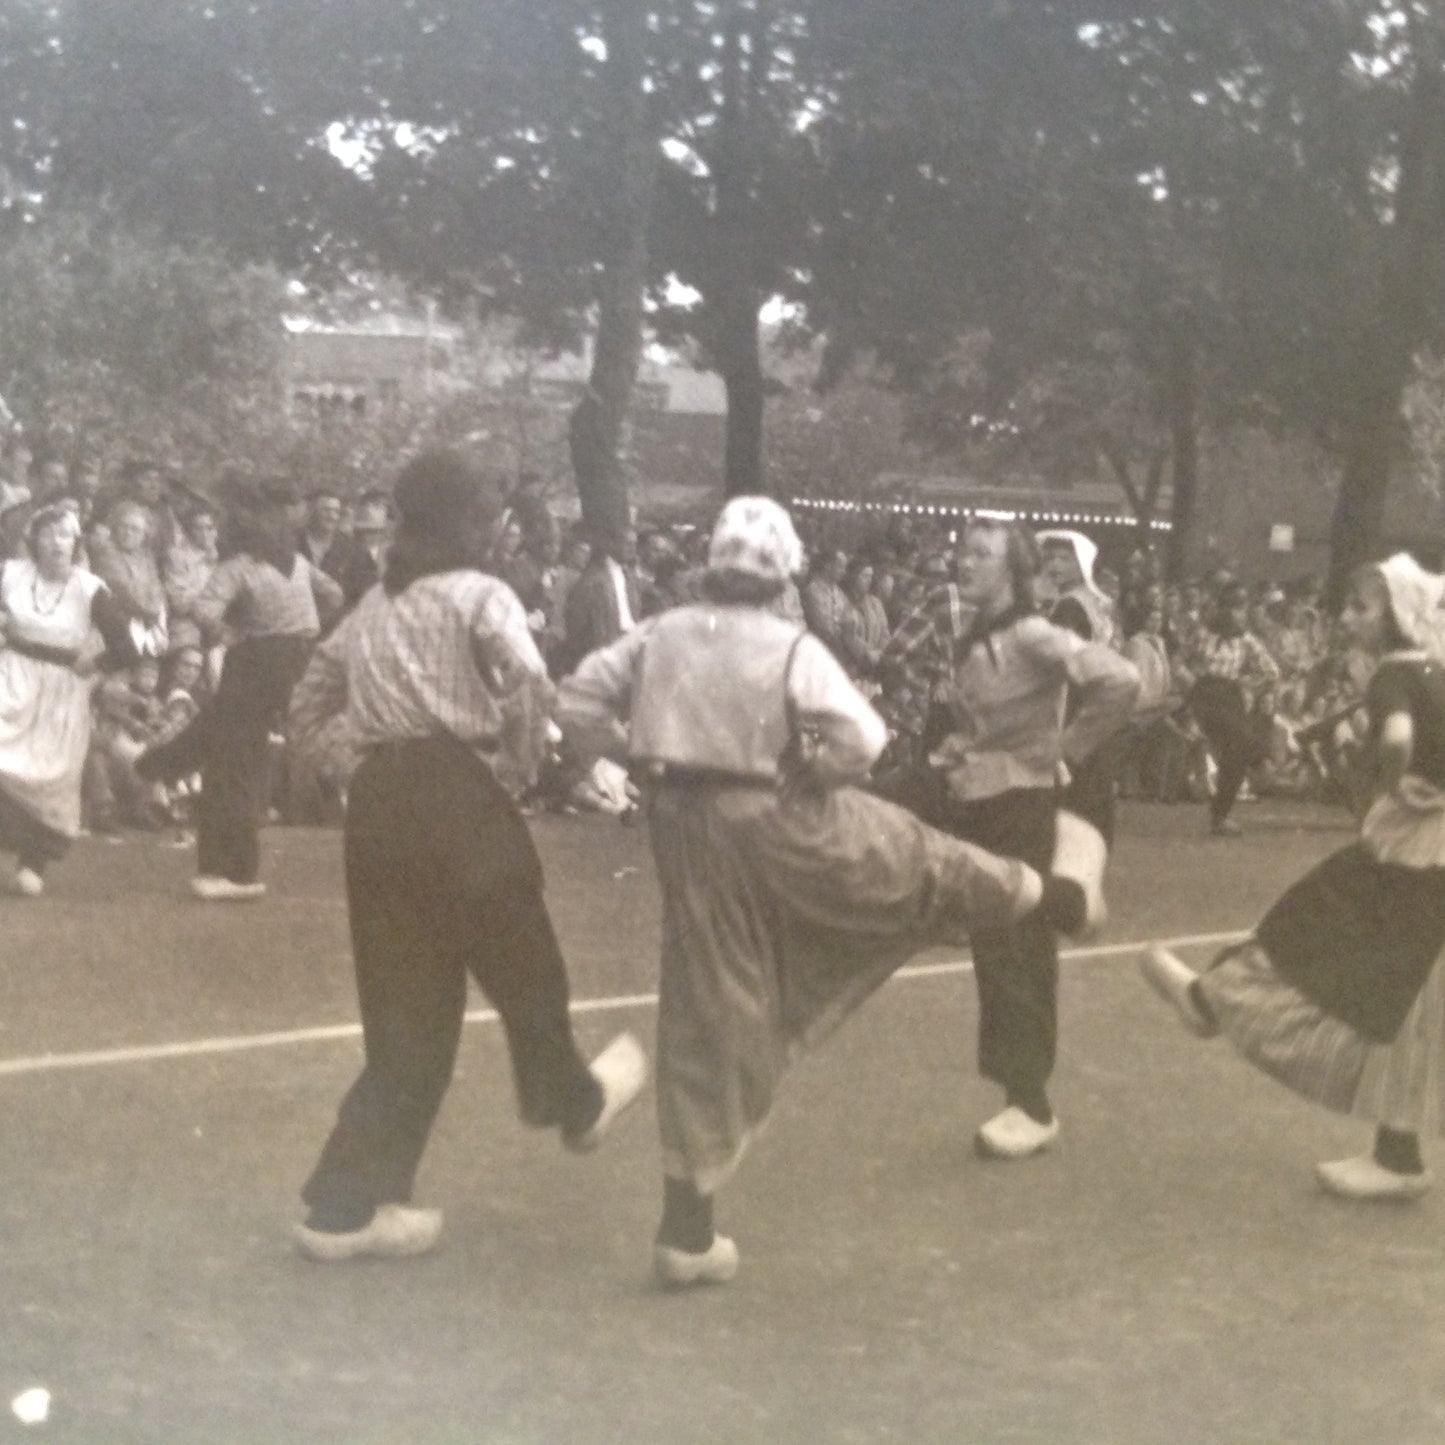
1400,1084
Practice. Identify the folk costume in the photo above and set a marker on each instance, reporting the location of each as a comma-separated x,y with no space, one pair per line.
434,682
1005,749
788,893
46,680
1340,991
267,601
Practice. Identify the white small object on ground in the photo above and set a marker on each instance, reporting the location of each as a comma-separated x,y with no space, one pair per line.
32,1406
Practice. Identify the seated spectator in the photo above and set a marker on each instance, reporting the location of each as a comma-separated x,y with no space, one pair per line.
185,691
125,563
143,483
128,716
186,567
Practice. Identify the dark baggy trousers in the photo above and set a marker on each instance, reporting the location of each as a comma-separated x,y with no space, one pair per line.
442,880
228,741
1017,969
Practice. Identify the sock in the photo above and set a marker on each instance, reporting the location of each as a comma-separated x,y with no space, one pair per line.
1032,1099
1398,1150
1063,907
686,1217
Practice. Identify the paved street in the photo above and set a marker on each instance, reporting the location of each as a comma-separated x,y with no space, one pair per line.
1169,1274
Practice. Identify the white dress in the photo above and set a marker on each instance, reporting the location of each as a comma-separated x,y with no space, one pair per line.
45,705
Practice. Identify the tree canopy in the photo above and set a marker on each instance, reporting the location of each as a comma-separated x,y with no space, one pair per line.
1129,220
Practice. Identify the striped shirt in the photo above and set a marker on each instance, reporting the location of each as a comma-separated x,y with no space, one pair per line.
1242,658
251,598
450,655
920,652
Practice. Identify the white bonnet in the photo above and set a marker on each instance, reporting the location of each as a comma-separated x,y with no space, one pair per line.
1417,598
1083,548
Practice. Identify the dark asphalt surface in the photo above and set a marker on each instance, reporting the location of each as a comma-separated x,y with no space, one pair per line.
1169,1274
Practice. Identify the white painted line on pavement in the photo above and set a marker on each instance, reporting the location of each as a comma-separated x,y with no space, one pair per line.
238,1043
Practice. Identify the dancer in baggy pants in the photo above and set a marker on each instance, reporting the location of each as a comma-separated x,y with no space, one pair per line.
435,679
788,894
1340,991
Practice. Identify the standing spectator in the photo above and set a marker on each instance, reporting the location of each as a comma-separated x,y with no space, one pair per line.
541,533
825,604
321,540
370,534
435,677
269,600
511,561
575,555
15,511
604,601
864,626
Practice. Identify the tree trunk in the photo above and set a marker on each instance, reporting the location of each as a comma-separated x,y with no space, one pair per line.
738,301
1358,525
742,373
595,429
1184,438
1386,354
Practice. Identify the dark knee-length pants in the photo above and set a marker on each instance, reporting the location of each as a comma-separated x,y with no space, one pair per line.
442,881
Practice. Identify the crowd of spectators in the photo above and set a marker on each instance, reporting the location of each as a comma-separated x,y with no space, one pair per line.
155,541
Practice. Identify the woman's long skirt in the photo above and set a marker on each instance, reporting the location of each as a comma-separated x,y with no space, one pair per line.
44,737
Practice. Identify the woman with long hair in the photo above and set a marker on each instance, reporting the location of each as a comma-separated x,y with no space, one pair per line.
789,894
49,608
267,603
435,681
1339,993
1002,678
